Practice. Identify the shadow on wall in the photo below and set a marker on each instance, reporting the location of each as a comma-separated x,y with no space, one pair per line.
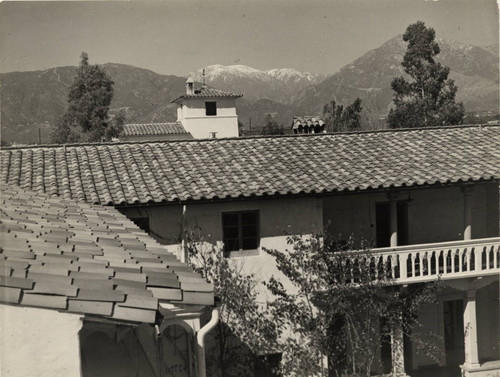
110,350
236,359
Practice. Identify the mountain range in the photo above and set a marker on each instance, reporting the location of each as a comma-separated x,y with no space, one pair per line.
30,102
279,84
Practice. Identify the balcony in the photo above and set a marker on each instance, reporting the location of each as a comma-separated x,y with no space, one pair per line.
446,260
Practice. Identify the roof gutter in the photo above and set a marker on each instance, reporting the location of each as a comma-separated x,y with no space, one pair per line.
200,338
307,194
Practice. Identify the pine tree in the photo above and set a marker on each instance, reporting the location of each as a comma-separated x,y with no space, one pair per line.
428,99
86,118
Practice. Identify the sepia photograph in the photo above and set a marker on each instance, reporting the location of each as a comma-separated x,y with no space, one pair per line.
226,188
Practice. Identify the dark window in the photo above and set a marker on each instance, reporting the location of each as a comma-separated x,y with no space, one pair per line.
383,221
210,108
402,222
240,230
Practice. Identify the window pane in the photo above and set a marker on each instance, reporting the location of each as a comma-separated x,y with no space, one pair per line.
231,244
249,218
231,232
210,108
250,243
249,231
240,230
229,219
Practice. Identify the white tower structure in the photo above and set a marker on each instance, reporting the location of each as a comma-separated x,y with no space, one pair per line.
207,113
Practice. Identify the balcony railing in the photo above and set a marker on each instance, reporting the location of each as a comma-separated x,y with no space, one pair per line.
447,260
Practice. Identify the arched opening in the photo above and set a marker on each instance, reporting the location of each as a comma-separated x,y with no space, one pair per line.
176,350
103,356
112,350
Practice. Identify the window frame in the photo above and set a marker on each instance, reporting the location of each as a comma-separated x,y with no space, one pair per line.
209,109
241,251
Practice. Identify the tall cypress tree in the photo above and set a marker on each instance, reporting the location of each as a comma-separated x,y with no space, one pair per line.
428,99
86,118
341,119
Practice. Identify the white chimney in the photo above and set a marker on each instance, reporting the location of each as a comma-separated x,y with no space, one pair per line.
189,86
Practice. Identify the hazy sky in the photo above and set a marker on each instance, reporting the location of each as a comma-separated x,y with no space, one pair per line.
177,37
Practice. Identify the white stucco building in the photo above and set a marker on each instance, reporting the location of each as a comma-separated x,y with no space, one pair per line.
426,200
207,113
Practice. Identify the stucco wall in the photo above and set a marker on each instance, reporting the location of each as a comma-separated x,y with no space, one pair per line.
487,322
278,217
488,331
39,342
434,214
431,319
192,116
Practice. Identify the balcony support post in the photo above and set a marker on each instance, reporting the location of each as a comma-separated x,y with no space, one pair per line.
397,349
467,191
470,331
393,213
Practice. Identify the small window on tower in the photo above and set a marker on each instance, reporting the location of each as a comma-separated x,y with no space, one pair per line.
210,108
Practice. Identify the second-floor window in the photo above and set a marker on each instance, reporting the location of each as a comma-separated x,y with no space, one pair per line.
210,108
240,230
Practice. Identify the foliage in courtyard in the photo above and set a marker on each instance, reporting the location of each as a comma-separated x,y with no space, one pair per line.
428,98
341,308
245,330
86,118
341,119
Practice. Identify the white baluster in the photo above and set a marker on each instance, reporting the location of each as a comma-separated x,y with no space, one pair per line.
445,261
403,260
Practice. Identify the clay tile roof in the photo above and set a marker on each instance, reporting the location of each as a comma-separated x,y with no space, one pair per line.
87,259
206,92
307,121
170,171
143,129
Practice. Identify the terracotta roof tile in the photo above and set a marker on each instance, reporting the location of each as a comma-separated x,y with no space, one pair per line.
91,307
206,92
145,129
248,167
134,314
10,295
307,121
73,256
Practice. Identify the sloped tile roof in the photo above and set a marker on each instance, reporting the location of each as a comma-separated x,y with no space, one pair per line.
169,171
307,121
206,92
144,129
88,259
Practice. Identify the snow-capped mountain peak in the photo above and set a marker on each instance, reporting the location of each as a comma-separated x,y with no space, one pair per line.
277,83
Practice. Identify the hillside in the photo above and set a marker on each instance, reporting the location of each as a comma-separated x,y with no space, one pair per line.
474,69
32,101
